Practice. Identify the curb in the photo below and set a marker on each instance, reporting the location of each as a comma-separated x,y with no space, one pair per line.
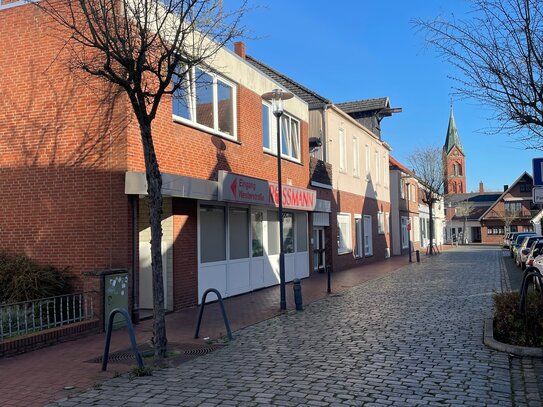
489,341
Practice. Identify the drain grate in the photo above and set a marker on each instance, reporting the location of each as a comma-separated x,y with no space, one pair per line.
182,351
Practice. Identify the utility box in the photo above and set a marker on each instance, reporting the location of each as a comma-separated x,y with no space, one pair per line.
115,295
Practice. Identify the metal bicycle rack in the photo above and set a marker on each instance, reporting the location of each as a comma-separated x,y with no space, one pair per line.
531,275
223,311
131,335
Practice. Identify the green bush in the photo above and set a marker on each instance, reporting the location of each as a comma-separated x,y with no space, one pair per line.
22,279
513,328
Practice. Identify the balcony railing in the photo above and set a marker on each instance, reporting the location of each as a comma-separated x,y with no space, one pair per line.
26,317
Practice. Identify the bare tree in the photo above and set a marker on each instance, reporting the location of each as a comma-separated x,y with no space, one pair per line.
508,217
498,50
147,48
464,209
427,165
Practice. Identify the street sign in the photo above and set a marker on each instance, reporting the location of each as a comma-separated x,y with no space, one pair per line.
537,172
537,195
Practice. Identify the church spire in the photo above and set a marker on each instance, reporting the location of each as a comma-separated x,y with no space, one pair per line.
452,138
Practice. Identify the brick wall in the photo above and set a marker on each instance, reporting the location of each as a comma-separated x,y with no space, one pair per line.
356,204
66,204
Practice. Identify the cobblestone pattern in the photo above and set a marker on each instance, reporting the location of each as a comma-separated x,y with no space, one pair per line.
413,337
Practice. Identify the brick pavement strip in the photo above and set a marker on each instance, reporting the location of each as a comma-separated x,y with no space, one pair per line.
413,337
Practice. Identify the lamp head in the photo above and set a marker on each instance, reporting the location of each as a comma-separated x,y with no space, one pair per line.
276,97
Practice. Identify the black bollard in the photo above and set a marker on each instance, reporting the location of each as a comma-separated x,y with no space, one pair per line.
297,294
417,253
329,278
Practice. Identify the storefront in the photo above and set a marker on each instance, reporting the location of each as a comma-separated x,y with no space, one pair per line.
238,235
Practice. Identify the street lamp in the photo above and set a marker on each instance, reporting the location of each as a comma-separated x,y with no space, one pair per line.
276,97
408,223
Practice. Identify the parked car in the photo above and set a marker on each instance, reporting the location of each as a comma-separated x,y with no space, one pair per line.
507,240
516,240
524,249
535,249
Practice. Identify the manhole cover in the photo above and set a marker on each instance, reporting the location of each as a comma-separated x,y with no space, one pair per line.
185,351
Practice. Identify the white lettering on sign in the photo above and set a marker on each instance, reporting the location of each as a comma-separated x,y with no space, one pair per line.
239,188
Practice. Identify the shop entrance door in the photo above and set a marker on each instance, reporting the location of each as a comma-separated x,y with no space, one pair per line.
319,246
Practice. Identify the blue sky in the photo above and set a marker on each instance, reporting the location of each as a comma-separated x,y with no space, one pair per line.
364,49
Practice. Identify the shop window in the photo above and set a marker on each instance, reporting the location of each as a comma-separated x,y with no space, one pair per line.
273,233
290,134
212,234
344,239
207,100
301,232
238,231
288,232
257,229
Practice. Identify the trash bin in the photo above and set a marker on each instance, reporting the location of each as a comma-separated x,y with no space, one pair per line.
115,295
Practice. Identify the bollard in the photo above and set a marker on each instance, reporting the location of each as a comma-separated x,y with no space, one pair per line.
329,278
417,253
297,294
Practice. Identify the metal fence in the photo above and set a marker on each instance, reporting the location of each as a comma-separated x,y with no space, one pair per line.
33,316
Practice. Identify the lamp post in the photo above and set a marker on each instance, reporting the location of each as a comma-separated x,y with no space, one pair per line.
408,224
276,97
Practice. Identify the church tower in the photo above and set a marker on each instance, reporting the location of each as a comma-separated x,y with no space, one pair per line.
454,161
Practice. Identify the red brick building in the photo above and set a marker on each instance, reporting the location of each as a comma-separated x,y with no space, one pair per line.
72,170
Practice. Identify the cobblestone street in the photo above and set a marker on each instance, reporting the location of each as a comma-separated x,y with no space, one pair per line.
413,337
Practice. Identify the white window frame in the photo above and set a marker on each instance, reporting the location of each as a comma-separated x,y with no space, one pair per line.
348,238
368,237
380,223
273,135
359,237
342,151
192,105
402,188
356,157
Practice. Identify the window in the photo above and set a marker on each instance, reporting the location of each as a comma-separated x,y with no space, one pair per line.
212,234
206,100
344,239
413,193
238,231
356,158
387,221
358,236
342,151
273,233
513,207
377,168
525,187
380,223
288,232
368,173
368,244
266,127
405,235
301,232
497,230
402,188
257,230
290,134
385,172
416,228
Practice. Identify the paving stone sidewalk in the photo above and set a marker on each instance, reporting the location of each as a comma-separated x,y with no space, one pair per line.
413,337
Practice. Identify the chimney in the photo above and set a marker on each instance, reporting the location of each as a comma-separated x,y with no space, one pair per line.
481,187
239,48
505,188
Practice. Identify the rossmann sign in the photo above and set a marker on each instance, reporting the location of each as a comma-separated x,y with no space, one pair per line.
249,190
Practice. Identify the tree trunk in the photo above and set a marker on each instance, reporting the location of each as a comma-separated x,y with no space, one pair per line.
431,234
154,193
